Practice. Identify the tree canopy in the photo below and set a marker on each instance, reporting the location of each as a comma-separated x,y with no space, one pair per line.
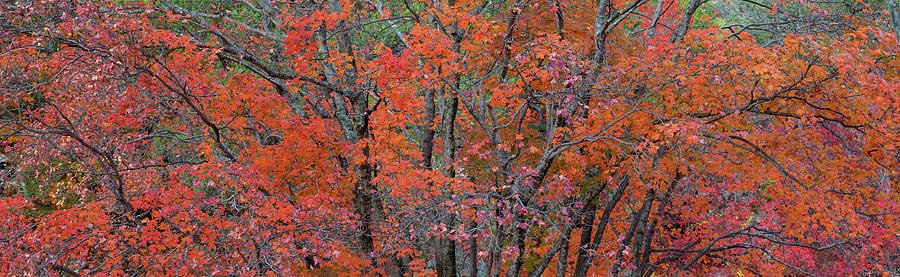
449,138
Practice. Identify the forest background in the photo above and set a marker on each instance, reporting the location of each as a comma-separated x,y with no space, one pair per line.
449,138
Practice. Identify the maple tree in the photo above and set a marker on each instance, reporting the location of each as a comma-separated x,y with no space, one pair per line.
449,138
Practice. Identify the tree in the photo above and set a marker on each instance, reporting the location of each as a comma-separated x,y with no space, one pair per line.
449,138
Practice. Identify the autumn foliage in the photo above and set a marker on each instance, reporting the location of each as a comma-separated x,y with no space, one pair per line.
448,138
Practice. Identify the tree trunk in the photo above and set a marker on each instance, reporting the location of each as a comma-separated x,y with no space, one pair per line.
473,250
445,248
637,220
587,228
583,262
686,20
894,10
600,31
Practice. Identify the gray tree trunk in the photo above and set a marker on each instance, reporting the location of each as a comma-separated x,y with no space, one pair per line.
894,10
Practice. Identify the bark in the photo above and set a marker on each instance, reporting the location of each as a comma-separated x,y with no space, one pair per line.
583,261
499,239
562,244
445,252
366,200
473,250
637,220
355,126
445,257
656,14
642,262
894,10
490,264
637,243
601,20
515,268
560,20
445,249
644,267
508,40
426,145
496,262
563,258
686,20
448,133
